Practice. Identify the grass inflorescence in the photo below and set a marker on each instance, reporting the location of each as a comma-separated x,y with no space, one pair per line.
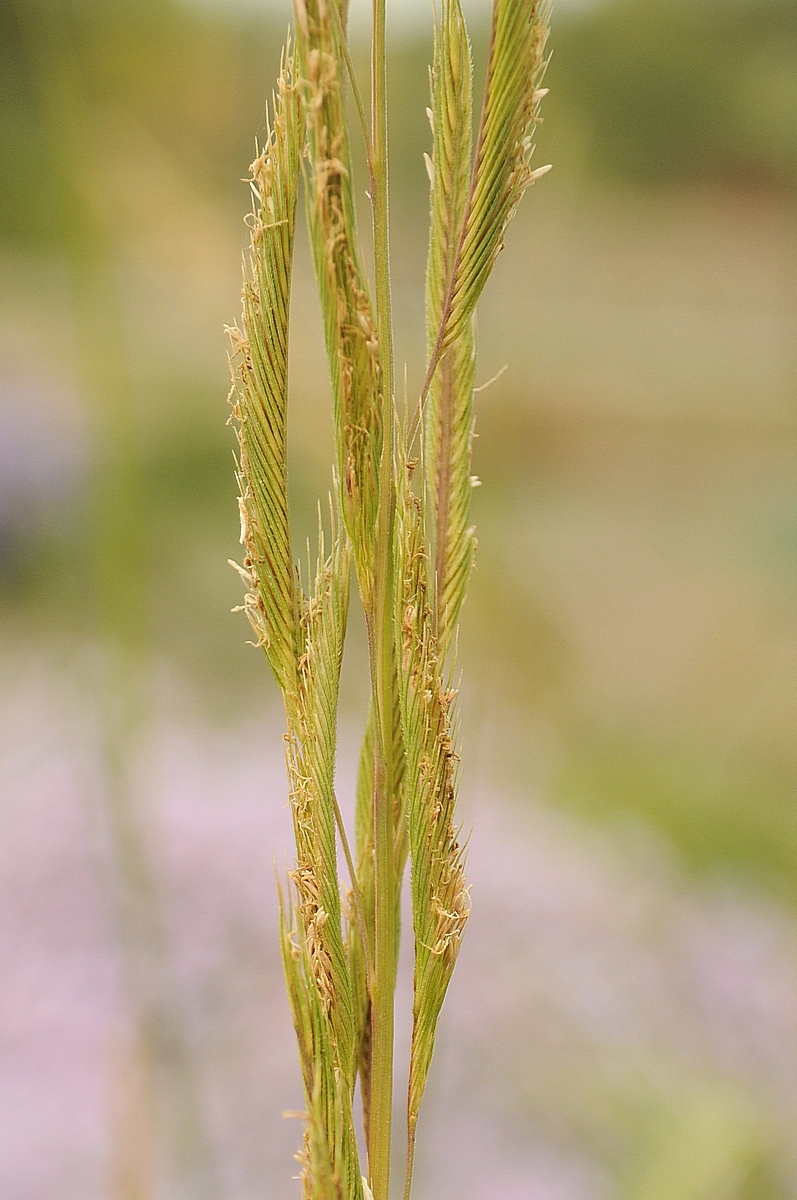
399,521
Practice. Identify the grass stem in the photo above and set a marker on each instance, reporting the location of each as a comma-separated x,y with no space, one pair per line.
382,647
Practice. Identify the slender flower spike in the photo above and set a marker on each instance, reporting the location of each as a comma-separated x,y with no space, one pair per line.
440,898
259,366
349,325
501,171
401,527
449,410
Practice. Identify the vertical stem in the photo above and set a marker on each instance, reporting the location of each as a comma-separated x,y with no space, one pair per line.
410,1156
443,497
382,649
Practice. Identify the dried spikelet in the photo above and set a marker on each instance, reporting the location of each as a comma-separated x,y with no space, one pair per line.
440,902
316,964
303,640
310,744
328,1159
501,170
259,364
449,409
349,326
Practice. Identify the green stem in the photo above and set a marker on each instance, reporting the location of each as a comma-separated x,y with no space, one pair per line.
355,87
382,650
410,1157
443,497
355,891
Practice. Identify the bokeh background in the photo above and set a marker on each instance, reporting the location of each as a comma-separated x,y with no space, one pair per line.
623,1022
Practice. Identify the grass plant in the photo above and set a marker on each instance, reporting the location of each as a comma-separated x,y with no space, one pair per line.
398,522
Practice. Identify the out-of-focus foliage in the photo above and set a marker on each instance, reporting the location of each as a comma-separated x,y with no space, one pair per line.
125,130
682,91
667,92
631,623
676,93
185,78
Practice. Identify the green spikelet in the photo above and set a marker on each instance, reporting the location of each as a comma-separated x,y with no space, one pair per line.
310,752
440,902
501,170
316,964
449,409
349,327
259,364
330,1168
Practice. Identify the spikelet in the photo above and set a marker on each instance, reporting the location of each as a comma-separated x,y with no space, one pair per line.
440,900
501,170
303,637
259,365
349,327
449,409
329,1158
316,964
310,744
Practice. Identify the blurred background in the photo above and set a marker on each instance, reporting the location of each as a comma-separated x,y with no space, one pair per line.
623,1022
